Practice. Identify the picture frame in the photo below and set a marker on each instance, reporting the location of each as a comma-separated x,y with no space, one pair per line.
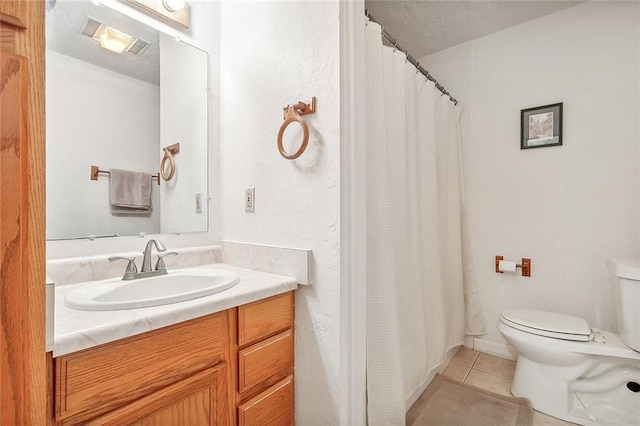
541,126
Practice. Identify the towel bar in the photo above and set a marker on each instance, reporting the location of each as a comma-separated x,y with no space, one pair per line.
95,171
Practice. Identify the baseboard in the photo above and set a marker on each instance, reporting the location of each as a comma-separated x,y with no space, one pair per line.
468,341
493,348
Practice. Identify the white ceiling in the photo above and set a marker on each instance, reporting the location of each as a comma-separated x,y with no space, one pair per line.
423,27
420,26
65,22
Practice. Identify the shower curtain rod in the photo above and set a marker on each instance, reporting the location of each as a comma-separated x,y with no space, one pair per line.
411,59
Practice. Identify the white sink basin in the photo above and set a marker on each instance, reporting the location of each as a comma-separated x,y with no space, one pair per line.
177,286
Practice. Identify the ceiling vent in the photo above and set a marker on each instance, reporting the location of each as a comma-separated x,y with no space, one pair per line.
138,47
113,39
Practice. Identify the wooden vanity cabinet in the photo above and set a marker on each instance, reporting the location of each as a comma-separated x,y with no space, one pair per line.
266,361
231,367
180,372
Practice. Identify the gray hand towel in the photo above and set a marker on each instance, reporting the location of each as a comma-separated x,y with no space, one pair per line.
129,192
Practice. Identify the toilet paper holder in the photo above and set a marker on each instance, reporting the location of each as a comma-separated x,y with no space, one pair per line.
525,265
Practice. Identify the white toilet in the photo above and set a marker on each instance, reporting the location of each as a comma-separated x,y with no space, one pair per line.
576,373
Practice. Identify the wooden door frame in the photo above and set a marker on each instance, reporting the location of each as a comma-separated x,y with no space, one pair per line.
23,363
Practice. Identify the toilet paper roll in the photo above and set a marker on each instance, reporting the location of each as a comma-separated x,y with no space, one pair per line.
507,266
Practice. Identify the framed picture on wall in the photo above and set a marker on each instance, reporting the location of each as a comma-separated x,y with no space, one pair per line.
541,126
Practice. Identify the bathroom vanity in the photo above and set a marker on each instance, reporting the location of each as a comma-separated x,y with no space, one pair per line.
178,372
218,360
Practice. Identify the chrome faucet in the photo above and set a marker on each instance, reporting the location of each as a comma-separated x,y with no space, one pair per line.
132,273
146,260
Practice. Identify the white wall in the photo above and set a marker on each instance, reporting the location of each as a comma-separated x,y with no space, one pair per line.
568,208
205,34
274,54
183,119
83,94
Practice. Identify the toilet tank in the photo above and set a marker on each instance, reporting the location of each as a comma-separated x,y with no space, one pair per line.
626,286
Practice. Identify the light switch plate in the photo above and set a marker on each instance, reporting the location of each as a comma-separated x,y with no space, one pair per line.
198,202
250,200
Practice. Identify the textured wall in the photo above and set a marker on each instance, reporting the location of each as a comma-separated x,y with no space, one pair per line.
274,54
569,208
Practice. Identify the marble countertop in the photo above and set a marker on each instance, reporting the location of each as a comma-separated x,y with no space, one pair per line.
75,330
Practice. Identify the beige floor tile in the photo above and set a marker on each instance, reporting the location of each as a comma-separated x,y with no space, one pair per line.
541,419
465,356
456,371
495,365
491,382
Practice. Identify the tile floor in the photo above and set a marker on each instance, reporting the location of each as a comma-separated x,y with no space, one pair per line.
493,374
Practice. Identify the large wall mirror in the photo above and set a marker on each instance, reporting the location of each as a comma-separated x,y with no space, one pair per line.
115,102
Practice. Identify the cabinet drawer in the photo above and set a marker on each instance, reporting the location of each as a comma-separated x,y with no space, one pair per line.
263,318
97,380
269,359
273,407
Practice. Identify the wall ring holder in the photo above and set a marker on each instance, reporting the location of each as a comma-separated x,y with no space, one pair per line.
169,152
293,113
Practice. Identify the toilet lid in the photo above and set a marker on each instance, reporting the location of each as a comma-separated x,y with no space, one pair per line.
549,324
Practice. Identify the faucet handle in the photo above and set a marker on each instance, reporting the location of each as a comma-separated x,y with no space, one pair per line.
131,266
160,263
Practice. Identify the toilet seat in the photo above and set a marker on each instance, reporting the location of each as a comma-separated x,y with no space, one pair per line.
548,324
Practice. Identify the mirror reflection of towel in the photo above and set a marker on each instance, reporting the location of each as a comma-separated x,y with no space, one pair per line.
129,192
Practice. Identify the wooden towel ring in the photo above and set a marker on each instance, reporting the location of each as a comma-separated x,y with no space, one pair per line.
168,155
293,113
172,165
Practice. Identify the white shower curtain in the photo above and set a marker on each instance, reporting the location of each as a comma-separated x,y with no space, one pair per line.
421,295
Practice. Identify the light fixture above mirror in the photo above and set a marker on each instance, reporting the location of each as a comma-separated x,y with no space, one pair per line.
172,11
174,5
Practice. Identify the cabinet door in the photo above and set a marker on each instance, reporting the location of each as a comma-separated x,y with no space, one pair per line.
196,401
98,380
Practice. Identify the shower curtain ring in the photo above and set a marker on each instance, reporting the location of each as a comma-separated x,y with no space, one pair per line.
418,68
395,46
